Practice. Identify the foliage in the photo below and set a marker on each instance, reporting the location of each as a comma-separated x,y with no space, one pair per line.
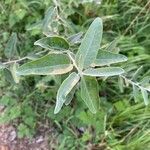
120,119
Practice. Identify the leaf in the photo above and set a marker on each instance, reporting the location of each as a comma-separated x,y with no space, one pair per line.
89,93
50,16
70,96
135,93
65,89
76,38
13,69
137,73
107,58
11,46
2,66
112,46
146,82
36,25
145,96
103,72
53,43
50,64
90,45
121,84
8,76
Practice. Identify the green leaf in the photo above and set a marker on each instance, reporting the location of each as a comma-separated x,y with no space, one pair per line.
70,96
107,58
145,96
11,46
103,72
137,73
135,93
36,25
50,64
75,38
65,88
112,46
90,45
13,69
50,16
2,66
90,93
53,43
121,84
8,76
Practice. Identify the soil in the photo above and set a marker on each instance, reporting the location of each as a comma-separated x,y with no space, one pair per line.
10,141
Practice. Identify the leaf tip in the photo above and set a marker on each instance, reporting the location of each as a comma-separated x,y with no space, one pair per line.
56,110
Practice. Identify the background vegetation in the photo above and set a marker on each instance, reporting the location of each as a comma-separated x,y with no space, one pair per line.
123,121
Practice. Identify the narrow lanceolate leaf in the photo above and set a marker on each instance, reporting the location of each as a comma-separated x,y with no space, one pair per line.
112,46
8,76
70,96
13,69
121,84
107,58
2,66
50,16
89,93
137,73
65,88
103,72
50,64
90,45
53,43
76,38
135,93
11,46
145,96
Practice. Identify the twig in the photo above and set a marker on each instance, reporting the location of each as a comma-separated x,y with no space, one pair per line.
133,83
21,59
74,63
14,61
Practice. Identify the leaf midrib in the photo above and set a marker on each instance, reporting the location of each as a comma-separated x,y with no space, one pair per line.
89,47
88,93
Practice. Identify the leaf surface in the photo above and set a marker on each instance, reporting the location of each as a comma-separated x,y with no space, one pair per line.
89,93
70,96
53,43
65,88
13,69
145,96
50,16
11,46
103,72
2,66
50,64
90,45
107,58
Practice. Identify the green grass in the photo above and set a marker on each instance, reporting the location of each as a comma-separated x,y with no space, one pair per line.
122,123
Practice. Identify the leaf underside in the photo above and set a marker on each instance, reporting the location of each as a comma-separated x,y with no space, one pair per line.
103,72
50,16
89,93
65,88
53,43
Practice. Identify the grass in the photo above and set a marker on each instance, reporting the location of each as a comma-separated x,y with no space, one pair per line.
122,123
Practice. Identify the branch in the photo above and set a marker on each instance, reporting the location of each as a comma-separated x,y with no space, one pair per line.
134,83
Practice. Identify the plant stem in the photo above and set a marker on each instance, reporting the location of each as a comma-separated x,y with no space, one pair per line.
74,63
21,59
133,83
